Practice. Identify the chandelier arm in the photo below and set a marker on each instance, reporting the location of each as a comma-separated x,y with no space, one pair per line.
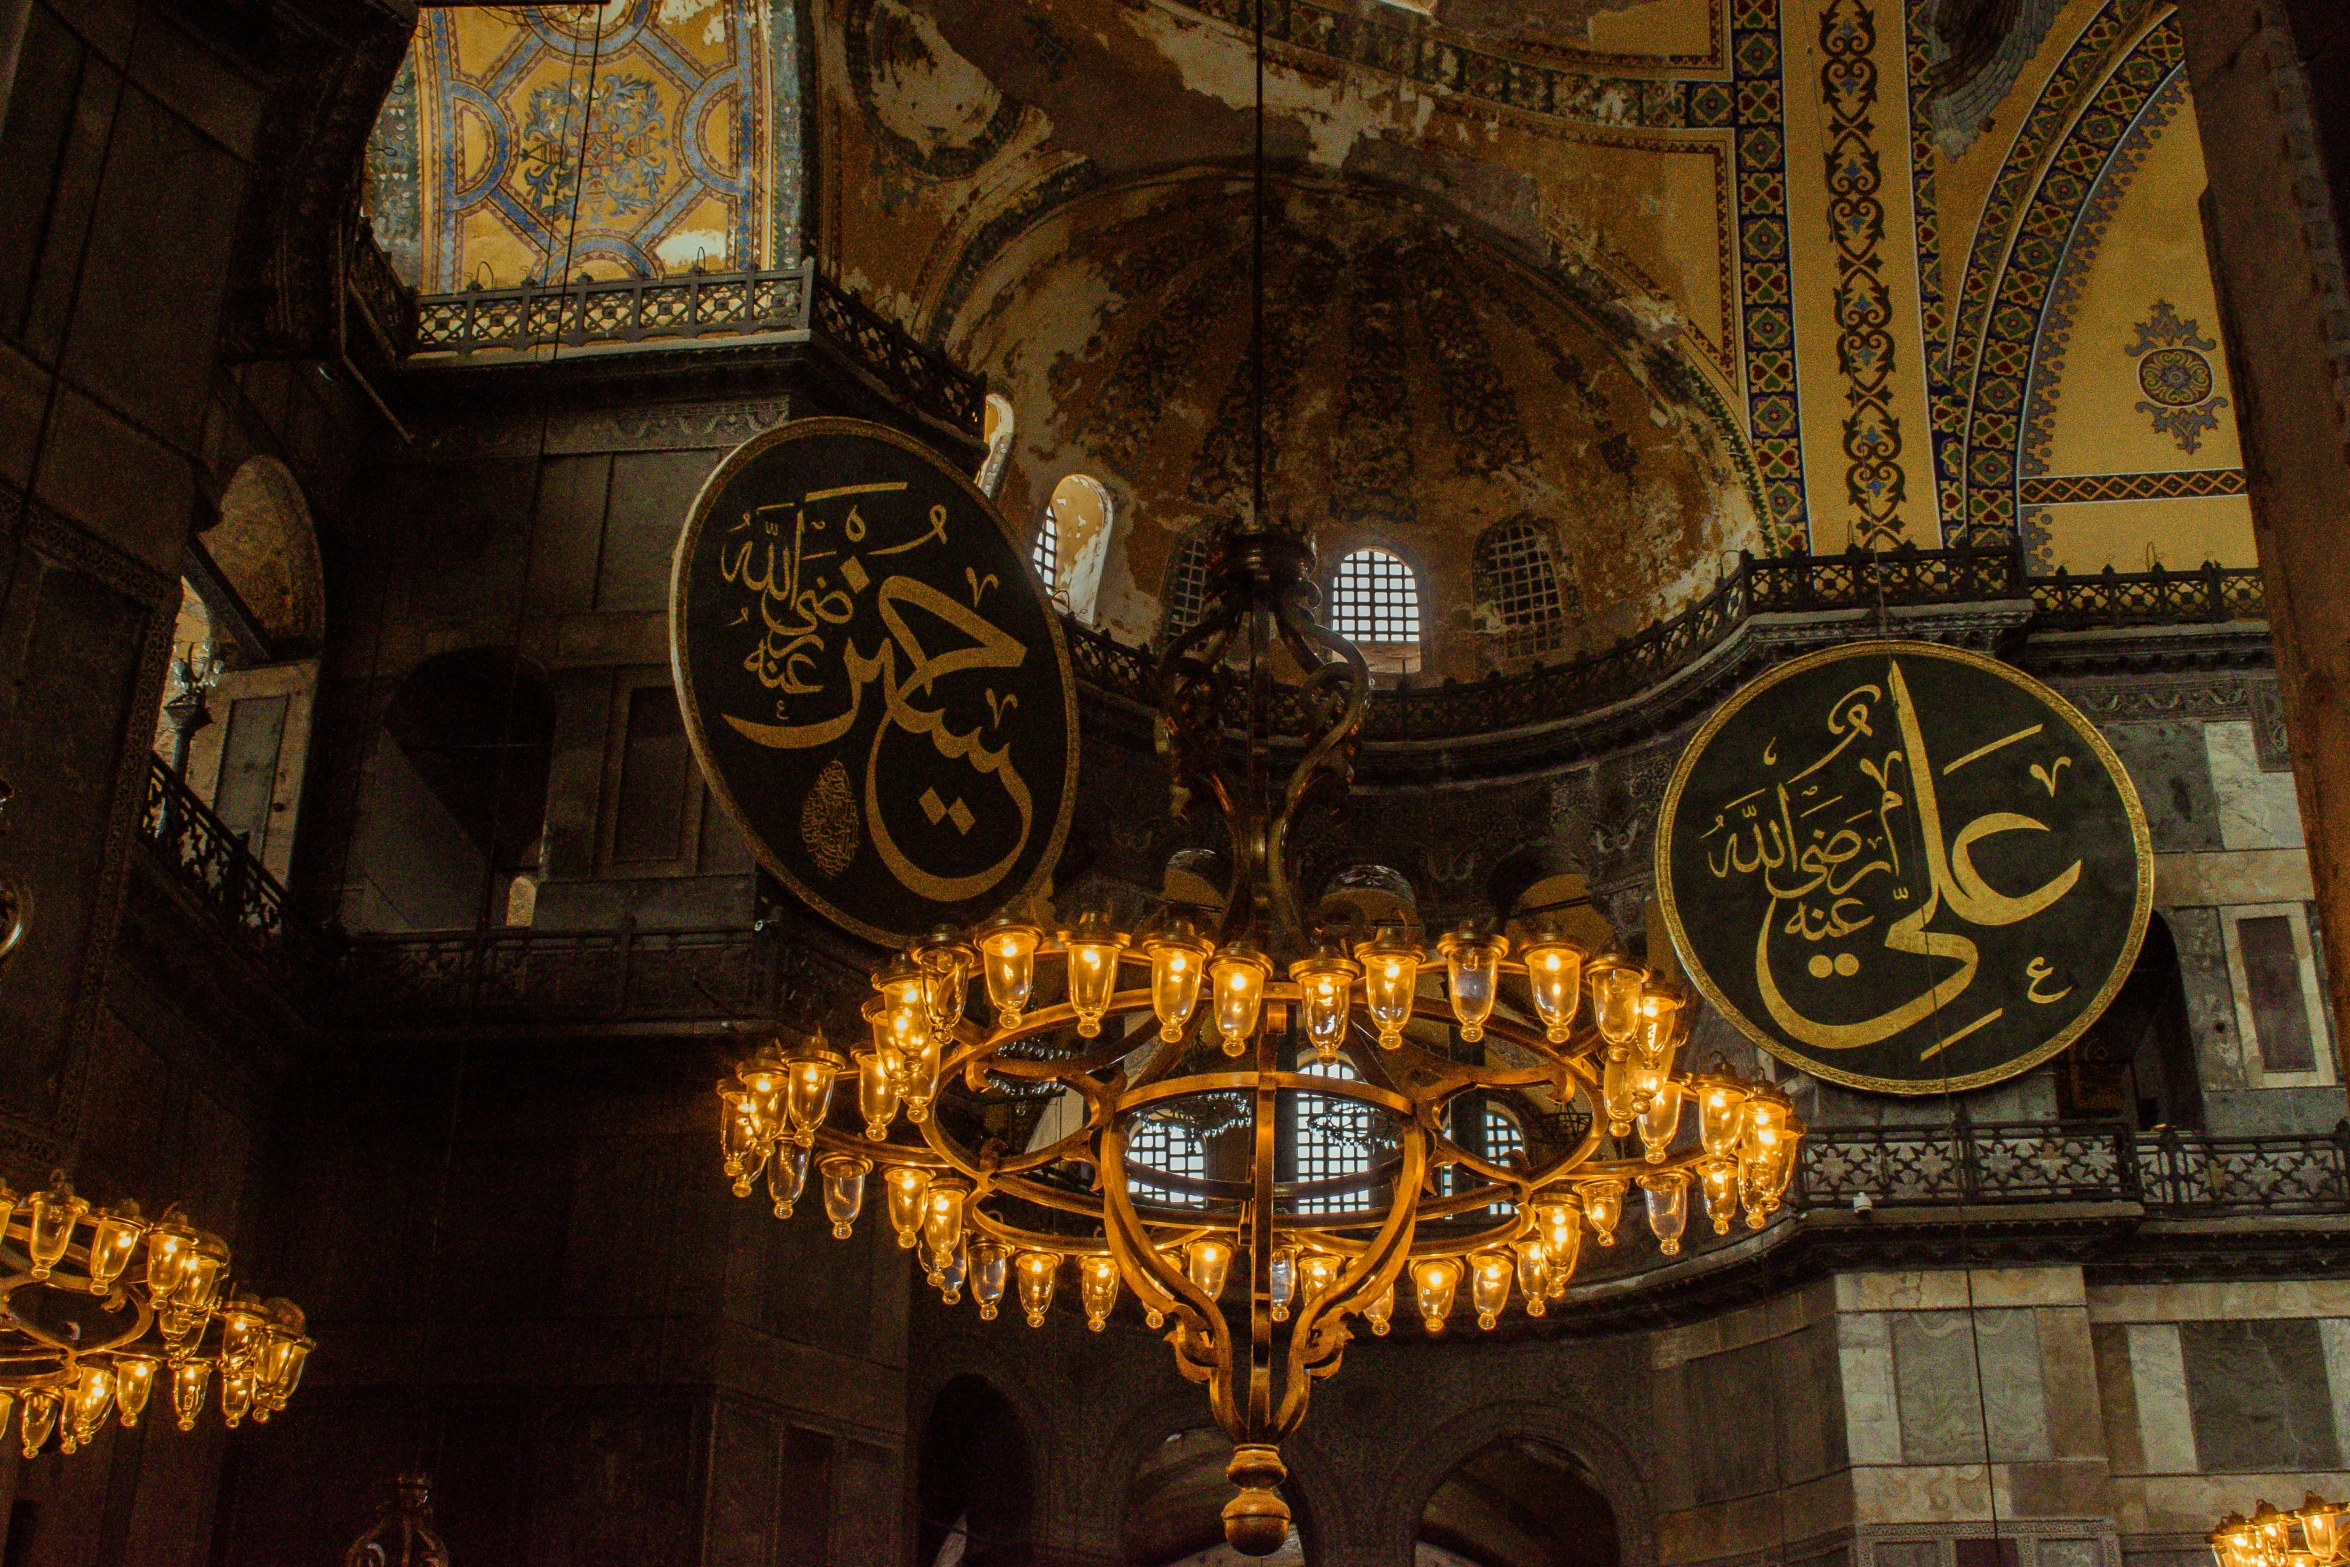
1381,1259
1328,764
1188,729
1260,1234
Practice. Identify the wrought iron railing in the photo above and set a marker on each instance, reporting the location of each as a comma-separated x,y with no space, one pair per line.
215,863
2180,1174
697,305
1788,584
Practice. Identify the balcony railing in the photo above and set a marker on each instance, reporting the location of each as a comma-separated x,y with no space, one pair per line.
1902,579
1962,1163
213,861
705,308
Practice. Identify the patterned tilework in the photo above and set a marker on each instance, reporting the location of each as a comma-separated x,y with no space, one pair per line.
1874,483
2020,303
673,161
2073,488
1946,413
1420,54
1774,417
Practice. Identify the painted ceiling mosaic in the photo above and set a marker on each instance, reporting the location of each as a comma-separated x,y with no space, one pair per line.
641,137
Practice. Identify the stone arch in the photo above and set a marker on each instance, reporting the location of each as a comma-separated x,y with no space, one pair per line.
1606,1463
1080,517
266,548
975,1473
1312,1489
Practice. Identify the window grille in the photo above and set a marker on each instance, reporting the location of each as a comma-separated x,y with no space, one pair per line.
1503,1140
1375,604
1047,553
1165,1144
1333,1140
1516,576
1187,584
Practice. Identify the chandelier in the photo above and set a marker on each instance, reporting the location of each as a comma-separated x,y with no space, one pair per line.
98,1307
2267,1538
1220,1016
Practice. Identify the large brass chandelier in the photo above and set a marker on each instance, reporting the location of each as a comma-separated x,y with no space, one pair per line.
2311,1535
101,1308
1218,1016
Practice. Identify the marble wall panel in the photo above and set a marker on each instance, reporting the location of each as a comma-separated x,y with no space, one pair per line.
2168,763
745,1457
613,1485
2257,808
2259,1395
1872,1407
2211,1006
651,493
1944,1409
2333,1337
2068,1365
2158,1379
2117,1399
1739,1453
2215,1299
569,534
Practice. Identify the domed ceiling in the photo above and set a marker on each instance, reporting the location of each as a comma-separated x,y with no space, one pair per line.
1421,385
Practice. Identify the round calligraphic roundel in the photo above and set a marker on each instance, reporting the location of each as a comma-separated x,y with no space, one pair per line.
871,678
1904,867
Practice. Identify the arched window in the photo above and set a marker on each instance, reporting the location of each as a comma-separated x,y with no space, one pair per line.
1333,1139
1074,542
1375,604
996,430
1517,590
1187,584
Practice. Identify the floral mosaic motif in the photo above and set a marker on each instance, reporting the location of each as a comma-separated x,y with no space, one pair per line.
2175,376
1774,417
623,162
1873,478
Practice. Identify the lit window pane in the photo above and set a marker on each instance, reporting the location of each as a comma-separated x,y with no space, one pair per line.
1517,580
1169,1146
1187,583
1333,1138
1375,604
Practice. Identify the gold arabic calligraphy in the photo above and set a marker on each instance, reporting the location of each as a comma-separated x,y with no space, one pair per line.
1831,865
807,580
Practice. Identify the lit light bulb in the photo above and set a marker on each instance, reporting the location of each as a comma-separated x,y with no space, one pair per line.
1660,1123
918,1082
134,1380
1719,1177
1236,977
1093,949
1007,952
1391,978
1317,1271
907,1189
942,1221
189,1380
51,1218
1721,1115
1380,1311
808,1089
1097,1283
787,1177
1433,1281
1667,1193
1207,1262
1472,972
1490,1273
1037,1270
946,962
1554,977
1615,1001
1534,1276
1179,961
1325,983
877,1093
1603,1205
1660,1030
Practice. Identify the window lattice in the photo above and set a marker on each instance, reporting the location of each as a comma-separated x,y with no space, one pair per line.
1517,577
1374,599
1187,583
1503,1139
1333,1140
1047,553
1169,1145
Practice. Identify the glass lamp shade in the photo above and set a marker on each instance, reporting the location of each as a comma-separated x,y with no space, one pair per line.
787,1177
1603,1205
243,1329
1472,972
877,1094
2273,1532
50,1218
942,1221
190,1379
1554,976
1660,1028
991,1267
1093,949
40,1418
950,1278
808,1092
763,1080
1559,1224
1037,1270
1207,1262
900,984
207,1270
1434,1280
1179,961
1236,986
918,1080
134,1380
1615,1001
1721,1115
236,1397
1391,977
844,1191
1660,1123
92,1400
171,1245
1317,1271
1325,984
1534,1276
1380,1311
739,1134
1284,1273
946,961
1490,1273
906,1189
2231,1543
1719,1177
1668,1208
1007,965
2321,1526
1620,1080
1097,1284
